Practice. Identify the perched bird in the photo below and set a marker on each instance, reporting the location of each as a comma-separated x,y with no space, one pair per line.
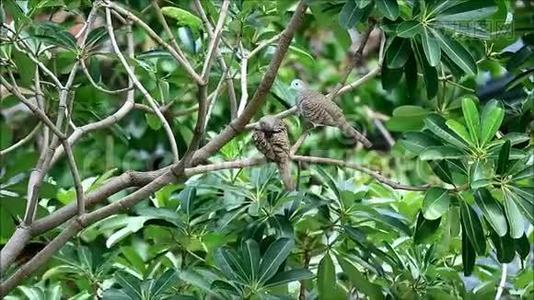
270,138
317,109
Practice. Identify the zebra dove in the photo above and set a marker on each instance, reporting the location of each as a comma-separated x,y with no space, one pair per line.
317,109
270,138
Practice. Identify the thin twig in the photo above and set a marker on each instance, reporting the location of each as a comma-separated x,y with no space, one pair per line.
244,75
151,101
22,141
225,70
185,63
375,175
502,282
214,41
96,85
163,22
354,60
263,45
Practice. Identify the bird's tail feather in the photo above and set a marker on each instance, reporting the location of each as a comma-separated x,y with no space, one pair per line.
349,131
284,168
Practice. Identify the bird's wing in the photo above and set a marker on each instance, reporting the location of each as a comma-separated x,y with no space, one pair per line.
263,145
316,109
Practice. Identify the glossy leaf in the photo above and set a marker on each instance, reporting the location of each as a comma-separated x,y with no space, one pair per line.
183,17
492,117
460,130
326,277
289,276
389,8
502,244
251,258
504,154
492,210
457,53
397,53
424,228
435,203
351,13
472,119
273,257
436,124
516,221
468,11
441,152
473,228
430,48
468,254
409,29
373,291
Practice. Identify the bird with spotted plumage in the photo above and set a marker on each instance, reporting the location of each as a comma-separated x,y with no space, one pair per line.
318,110
271,139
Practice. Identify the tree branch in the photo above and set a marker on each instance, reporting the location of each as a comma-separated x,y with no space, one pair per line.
187,66
377,176
214,41
151,101
260,95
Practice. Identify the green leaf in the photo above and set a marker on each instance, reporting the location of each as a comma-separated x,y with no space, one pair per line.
153,121
96,36
56,35
398,53
457,53
468,11
130,285
473,227
516,221
424,228
430,74
390,77
503,246
389,8
351,13
435,203
460,130
472,118
468,254
442,170
164,282
522,246
274,256
362,284
303,55
524,204
480,174
183,17
251,258
492,210
326,277
416,142
289,276
408,29
227,261
441,152
492,117
504,154
436,124
431,48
